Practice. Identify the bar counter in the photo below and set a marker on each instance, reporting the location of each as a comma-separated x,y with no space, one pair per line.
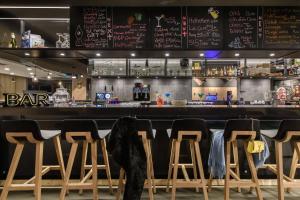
161,116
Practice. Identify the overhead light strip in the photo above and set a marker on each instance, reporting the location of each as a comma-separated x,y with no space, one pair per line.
36,19
35,7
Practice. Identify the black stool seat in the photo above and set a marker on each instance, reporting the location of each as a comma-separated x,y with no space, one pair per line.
241,125
285,126
189,125
30,126
81,125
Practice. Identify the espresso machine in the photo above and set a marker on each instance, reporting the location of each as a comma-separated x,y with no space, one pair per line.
141,92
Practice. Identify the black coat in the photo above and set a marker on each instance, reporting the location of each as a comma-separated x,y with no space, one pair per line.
127,150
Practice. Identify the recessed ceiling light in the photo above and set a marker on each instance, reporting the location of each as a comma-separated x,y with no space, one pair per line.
29,68
74,77
272,54
59,83
132,54
31,73
62,54
144,69
6,68
175,77
12,73
137,77
48,77
27,54
35,79
81,76
98,54
167,54
237,54
50,73
201,54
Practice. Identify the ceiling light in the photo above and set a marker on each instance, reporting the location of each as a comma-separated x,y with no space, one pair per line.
98,54
167,54
74,77
35,79
29,68
175,77
272,54
48,77
31,73
81,76
62,54
12,73
144,69
6,68
132,54
121,69
118,77
50,73
237,54
27,54
201,54
99,77
59,83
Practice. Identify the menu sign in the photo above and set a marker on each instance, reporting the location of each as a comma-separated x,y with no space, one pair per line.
205,28
240,27
165,28
93,30
281,27
129,28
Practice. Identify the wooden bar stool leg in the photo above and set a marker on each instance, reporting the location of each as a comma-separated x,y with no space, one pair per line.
227,175
253,172
106,163
295,160
38,169
94,157
12,170
83,161
236,160
68,170
279,166
149,180
171,162
57,146
209,183
200,166
121,184
175,168
192,150
152,167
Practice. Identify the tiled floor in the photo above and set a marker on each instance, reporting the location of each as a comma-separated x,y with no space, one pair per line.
269,193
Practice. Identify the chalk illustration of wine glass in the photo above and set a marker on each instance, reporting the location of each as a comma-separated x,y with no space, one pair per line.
158,20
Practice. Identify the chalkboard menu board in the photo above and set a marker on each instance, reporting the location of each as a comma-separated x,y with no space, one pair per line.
185,27
165,28
240,27
205,29
281,27
129,28
91,28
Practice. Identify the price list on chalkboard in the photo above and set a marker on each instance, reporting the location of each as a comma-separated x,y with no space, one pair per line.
165,28
281,27
240,27
93,28
205,28
129,28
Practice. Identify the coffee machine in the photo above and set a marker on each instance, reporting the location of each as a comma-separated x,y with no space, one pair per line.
141,92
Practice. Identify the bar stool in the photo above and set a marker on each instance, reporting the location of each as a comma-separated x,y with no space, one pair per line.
145,131
289,131
191,130
105,166
77,131
245,130
20,132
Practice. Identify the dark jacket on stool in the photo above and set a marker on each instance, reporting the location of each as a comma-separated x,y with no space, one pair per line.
127,150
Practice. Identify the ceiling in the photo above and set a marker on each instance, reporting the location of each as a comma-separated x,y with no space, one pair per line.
27,69
153,2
